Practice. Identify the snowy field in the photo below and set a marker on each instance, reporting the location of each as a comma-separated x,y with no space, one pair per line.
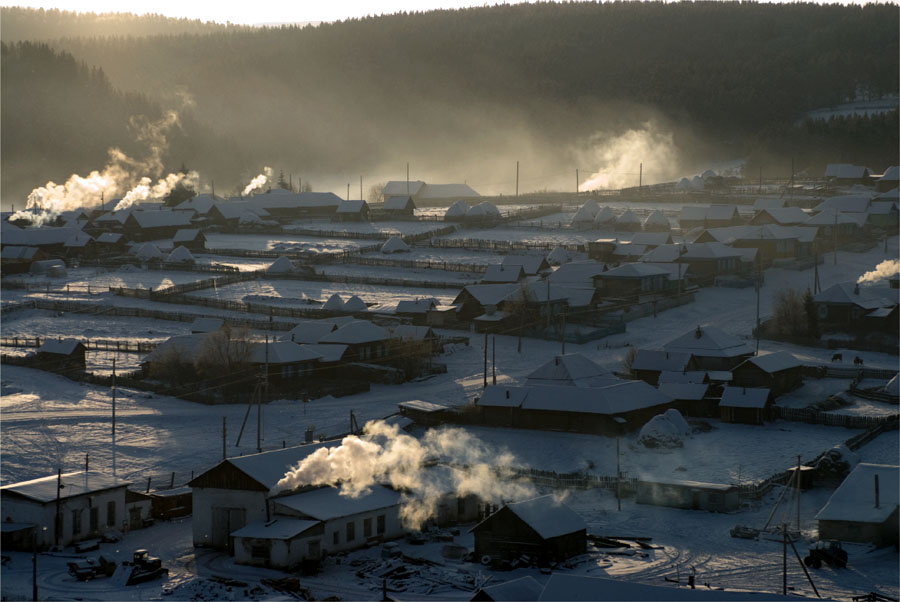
396,228
128,276
277,242
412,274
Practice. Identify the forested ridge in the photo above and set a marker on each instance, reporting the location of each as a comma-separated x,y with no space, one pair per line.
445,86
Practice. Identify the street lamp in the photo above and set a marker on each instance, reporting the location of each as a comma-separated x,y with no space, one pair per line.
34,547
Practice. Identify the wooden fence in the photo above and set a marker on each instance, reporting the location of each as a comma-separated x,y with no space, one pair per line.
501,246
829,419
420,264
546,478
90,344
873,395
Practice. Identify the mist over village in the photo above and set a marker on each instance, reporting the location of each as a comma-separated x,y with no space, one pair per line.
539,301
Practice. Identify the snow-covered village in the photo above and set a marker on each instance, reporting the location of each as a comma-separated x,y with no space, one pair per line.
637,386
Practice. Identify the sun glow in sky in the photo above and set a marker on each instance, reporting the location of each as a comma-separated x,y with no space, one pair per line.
263,11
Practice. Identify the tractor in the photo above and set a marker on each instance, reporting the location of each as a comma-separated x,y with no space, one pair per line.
829,552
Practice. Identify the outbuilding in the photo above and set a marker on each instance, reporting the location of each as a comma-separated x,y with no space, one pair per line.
541,528
65,356
745,405
864,508
691,495
779,372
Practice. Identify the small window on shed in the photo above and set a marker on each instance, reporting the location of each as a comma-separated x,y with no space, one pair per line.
110,514
367,527
379,528
336,538
351,531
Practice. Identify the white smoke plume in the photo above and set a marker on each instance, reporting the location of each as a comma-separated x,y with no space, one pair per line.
384,455
885,269
259,181
620,158
121,173
147,191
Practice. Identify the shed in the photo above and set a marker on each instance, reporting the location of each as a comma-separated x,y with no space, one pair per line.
690,398
400,205
281,542
423,412
352,211
65,356
190,238
90,503
558,256
779,372
747,406
692,495
865,507
541,528
367,342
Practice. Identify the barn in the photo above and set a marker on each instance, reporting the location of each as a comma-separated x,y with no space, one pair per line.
541,528
65,356
747,406
864,508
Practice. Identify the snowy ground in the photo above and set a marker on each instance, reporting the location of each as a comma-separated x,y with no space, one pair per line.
274,242
396,228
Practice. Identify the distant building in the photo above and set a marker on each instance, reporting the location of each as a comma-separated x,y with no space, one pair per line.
65,356
691,495
745,405
711,348
540,528
352,211
403,205
850,307
779,372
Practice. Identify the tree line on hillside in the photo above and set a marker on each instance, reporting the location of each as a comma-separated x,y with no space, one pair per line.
470,85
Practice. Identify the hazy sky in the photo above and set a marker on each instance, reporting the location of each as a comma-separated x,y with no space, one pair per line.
261,11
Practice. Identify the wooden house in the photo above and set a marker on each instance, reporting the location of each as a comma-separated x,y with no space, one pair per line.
231,213
713,216
421,338
65,356
782,216
166,504
632,280
889,180
844,173
571,370
602,249
480,299
779,372
532,265
352,211
90,503
154,225
648,364
111,243
745,405
366,341
864,508
286,361
51,241
541,528
499,274
424,412
18,260
400,206
190,238
691,399
286,205
852,308
711,348
690,495
712,259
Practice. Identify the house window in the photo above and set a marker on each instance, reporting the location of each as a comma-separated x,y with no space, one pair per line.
336,538
76,521
367,527
314,549
379,527
95,519
351,531
823,311
110,514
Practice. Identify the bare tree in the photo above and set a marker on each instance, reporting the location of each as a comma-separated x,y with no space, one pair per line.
629,360
225,352
172,366
376,193
789,314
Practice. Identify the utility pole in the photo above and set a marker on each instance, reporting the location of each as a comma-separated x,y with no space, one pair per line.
517,178
757,303
834,236
798,494
494,360
640,178
548,305
485,358
562,331
348,191
57,528
265,389
407,178
577,182
224,436
618,478
760,178
784,540
792,182
360,188
816,286
114,417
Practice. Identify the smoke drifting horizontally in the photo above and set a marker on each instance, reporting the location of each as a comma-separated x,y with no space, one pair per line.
121,174
885,269
385,455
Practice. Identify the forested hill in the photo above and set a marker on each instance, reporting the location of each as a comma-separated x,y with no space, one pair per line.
541,82
19,24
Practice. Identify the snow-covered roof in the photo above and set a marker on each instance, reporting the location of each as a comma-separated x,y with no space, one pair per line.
498,273
517,590
663,254
417,306
201,203
267,468
577,272
785,215
161,218
205,325
690,376
851,203
398,203
867,297
327,353
657,219
633,270
394,244
830,217
45,490
357,332
882,207
709,341
532,264
626,249
709,250
775,362
744,397
548,517
185,235
327,503
14,252
457,209
281,352
489,294
147,251
78,240
309,331
400,188
571,369
180,255
412,332
891,174
186,345
712,212
854,500
446,191
845,171
351,207
685,391
661,360
893,386
38,237
422,406
59,346
277,528
237,209
557,256
768,203
284,199
109,237
623,396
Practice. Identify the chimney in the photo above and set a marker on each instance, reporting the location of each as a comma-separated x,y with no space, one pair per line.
556,360
877,500
698,333
507,396
856,289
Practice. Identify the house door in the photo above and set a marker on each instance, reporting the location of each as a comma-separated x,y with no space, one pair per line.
224,522
695,500
134,518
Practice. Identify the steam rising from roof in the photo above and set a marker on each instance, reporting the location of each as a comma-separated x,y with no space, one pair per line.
385,455
620,158
885,269
259,181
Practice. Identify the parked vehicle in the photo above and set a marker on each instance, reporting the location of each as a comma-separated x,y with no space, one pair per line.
91,568
146,568
829,552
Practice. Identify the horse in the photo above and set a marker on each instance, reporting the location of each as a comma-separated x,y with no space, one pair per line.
857,361
837,357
